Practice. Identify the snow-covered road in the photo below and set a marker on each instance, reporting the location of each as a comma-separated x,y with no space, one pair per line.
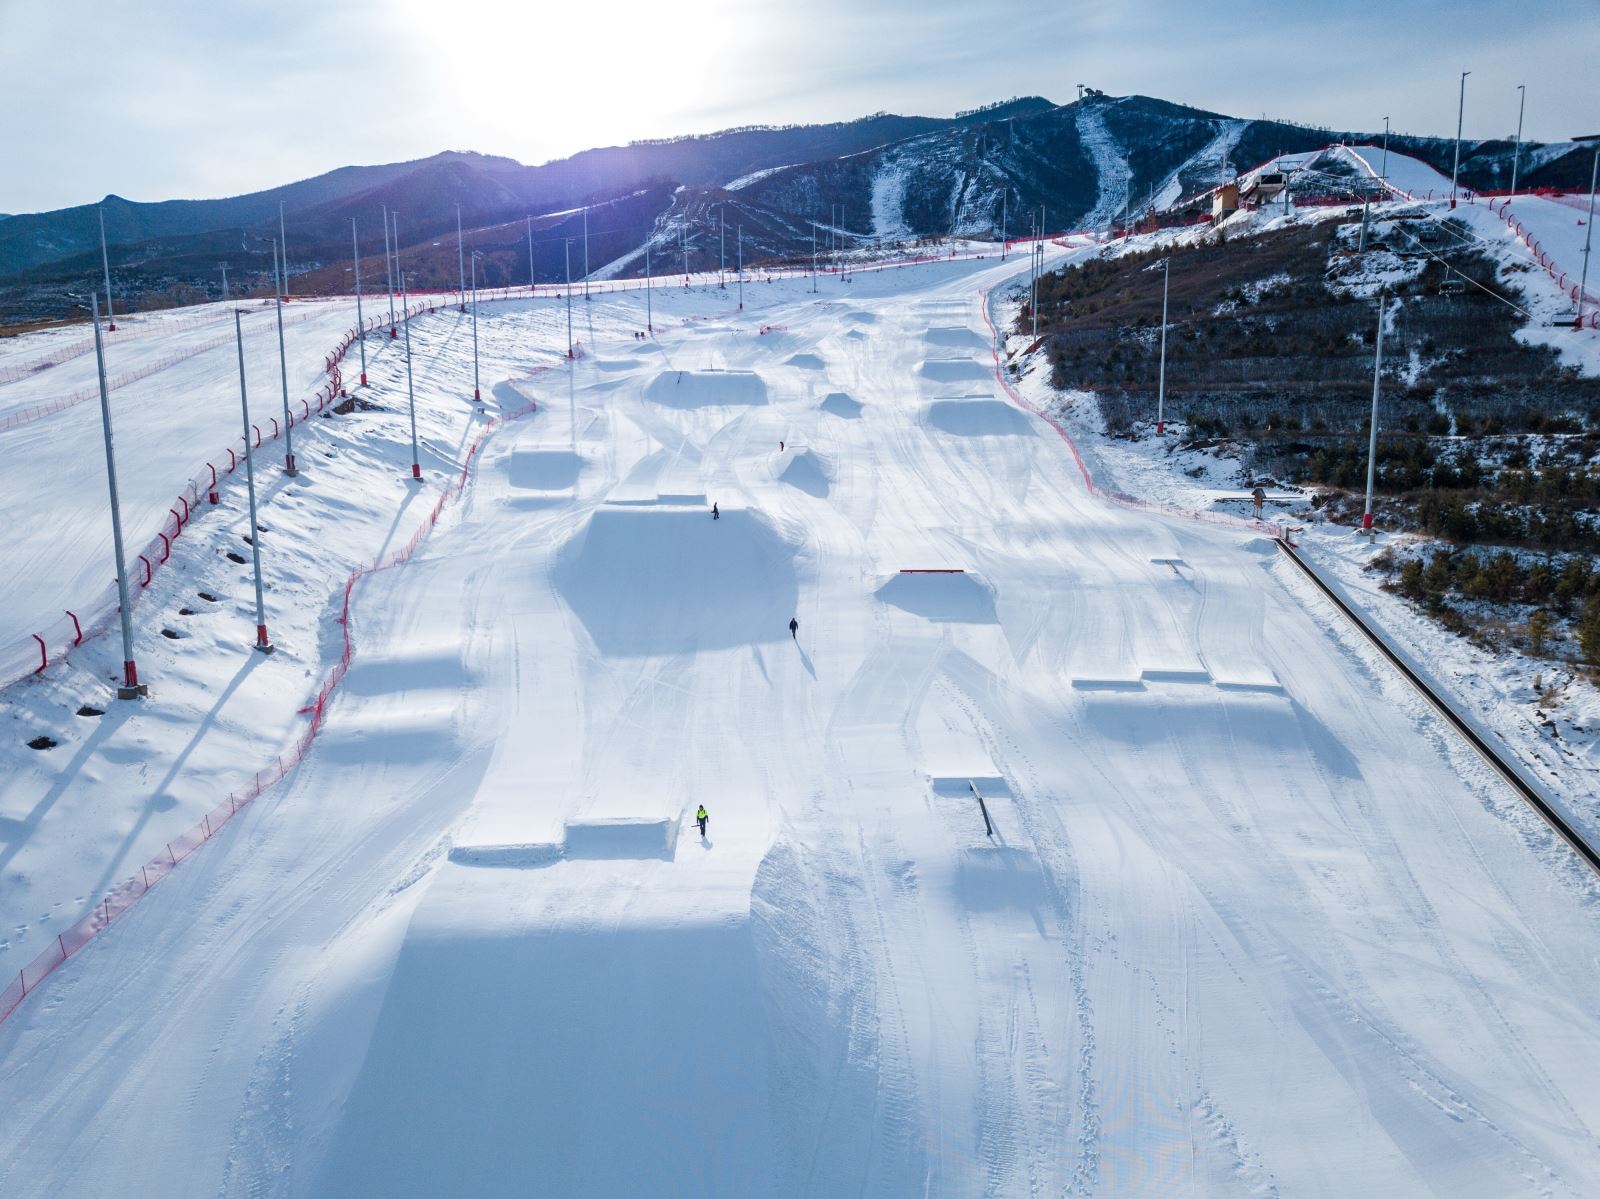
1251,922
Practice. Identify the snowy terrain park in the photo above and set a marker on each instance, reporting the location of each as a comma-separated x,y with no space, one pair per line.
1237,915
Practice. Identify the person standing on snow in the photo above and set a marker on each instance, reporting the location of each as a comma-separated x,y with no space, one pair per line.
794,627
701,818
1258,497
716,513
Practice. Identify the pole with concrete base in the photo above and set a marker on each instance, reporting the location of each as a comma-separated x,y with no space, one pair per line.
105,261
283,370
263,643
411,393
131,686
361,328
1372,433
1161,378
477,395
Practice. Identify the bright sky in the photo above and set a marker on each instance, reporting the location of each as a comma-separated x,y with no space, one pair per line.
183,98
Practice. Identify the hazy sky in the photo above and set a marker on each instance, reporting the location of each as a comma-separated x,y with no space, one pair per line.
182,98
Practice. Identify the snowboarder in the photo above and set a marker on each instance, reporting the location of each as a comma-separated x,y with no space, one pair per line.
794,627
701,818
780,447
716,513
1258,498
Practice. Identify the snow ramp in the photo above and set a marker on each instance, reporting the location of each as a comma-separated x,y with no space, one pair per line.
706,389
664,579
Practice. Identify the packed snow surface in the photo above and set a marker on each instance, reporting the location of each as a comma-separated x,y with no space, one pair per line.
1250,922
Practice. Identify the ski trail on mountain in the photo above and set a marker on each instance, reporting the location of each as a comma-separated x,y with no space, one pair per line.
1110,167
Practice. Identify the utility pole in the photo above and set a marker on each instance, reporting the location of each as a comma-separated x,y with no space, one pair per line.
388,270
477,396
1461,109
1161,379
461,265
361,327
411,391
262,642
567,246
223,266
1516,151
283,240
105,261
532,282
283,370
740,236
1588,232
1372,433
131,687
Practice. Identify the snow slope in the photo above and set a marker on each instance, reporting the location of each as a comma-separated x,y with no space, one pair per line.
1113,175
1250,923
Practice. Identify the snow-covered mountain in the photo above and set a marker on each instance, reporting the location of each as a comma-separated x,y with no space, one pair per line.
881,178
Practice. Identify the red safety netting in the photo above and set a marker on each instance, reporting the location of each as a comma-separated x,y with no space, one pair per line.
123,897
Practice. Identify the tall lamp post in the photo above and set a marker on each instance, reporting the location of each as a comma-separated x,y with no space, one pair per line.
283,240
105,261
131,687
532,282
1461,108
388,271
477,397
740,237
361,327
1516,151
411,391
461,267
567,247
649,314
1372,432
283,370
1161,378
1383,172
263,643
1588,231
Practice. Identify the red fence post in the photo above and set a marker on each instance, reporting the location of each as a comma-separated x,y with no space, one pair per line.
77,629
44,658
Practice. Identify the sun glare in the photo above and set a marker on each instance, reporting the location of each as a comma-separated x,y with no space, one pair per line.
544,80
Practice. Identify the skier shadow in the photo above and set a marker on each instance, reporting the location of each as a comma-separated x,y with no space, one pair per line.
805,660
706,843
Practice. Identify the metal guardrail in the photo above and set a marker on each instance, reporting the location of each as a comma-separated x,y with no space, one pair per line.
1526,790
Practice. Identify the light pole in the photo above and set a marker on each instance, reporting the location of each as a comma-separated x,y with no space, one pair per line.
1588,231
567,248
388,270
813,256
477,397
722,247
460,262
740,237
283,370
1372,432
649,314
1461,108
1516,150
262,642
105,261
1004,196
361,328
283,240
411,391
1161,378
532,282
131,686
223,267
585,254
1383,172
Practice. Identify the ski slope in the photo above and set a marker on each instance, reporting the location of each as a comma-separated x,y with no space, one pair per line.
1250,922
